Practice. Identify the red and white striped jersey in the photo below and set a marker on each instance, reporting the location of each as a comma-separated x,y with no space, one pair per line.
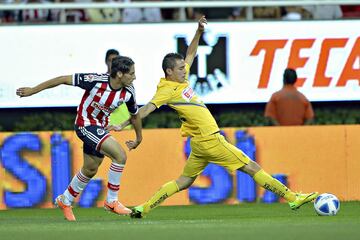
100,99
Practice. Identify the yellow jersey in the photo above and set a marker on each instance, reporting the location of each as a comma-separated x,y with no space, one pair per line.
196,119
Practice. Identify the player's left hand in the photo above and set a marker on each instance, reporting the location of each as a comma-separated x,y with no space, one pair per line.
132,144
202,22
24,92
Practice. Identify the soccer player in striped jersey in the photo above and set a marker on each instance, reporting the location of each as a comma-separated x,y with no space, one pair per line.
207,145
103,94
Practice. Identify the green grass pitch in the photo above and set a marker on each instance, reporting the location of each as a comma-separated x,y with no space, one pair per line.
244,221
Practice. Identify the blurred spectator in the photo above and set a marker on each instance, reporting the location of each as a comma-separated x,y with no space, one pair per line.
37,15
258,13
292,13
178,14
169,13
9,16
351,11
239,13
141,14
73,15
212,13
288,106
266,12
324,12
157,14
106,15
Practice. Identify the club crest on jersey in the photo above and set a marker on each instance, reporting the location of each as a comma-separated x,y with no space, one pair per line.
187,94
100,131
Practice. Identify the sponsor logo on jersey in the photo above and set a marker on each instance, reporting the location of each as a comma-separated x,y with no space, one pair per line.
105,109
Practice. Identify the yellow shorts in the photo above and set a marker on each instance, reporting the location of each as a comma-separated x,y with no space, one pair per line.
213,149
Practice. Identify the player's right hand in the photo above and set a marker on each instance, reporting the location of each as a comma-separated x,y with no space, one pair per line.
24,91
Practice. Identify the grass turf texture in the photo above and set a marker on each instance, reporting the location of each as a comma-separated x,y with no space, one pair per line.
244,221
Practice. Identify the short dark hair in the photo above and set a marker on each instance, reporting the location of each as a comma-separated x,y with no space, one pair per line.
121,64
169,61
111,52
289,76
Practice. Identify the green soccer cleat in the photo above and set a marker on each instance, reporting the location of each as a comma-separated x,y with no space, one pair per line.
301,199
137,212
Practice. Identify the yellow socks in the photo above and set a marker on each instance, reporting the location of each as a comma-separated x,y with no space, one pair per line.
268,182
262,178
167,190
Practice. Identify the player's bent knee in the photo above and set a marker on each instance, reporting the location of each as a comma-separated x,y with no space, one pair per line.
184,182
89,171
117,155
112,149
120,158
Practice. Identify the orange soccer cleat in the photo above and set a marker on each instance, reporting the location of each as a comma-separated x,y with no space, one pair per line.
67,210
117,208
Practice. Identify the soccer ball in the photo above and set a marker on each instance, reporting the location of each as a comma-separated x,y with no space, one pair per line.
327,204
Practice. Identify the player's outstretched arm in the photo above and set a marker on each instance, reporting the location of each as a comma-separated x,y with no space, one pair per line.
144,111
28,91
135,120
191,51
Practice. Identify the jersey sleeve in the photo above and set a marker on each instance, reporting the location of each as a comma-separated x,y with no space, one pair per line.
162,96
85,80
131,103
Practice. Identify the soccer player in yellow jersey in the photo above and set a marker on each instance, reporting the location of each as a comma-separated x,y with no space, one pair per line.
207,145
